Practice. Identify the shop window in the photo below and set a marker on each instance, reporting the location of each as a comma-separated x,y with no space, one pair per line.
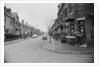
66,30
81,26
72,25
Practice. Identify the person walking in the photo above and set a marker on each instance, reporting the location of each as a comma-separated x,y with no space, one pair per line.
78,36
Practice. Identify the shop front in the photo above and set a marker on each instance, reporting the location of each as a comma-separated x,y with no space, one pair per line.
81,29
70,28
86,28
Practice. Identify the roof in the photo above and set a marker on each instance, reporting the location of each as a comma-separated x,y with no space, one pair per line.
7,12
15,15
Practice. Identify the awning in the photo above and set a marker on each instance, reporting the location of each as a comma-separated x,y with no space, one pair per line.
81,18
70,37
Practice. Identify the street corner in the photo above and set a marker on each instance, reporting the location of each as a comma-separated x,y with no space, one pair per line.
65,34
66,48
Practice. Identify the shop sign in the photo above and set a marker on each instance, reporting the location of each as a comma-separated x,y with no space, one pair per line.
82,18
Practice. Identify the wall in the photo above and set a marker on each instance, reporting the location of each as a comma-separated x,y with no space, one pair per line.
89,29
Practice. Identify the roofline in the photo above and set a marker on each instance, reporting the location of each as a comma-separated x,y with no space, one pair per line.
61,8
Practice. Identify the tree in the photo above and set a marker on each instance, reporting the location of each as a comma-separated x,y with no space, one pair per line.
49,24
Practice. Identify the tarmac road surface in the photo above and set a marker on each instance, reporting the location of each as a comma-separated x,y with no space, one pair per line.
34,50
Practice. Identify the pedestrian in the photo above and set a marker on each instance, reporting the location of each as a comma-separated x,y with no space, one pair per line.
79,36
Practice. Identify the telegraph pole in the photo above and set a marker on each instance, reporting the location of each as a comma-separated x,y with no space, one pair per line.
50,36
37,29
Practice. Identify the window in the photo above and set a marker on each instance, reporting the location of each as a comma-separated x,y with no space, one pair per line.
5,18
11,21
71,8
65,12
72,27
66,30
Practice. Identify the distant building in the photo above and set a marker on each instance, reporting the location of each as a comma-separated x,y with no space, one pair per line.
13,27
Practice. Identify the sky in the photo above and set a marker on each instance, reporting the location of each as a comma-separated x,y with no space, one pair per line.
35,14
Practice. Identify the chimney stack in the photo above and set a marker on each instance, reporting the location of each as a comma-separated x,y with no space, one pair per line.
26,23
22,21
8,10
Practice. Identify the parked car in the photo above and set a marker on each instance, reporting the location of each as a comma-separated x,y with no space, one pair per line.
44,37
34,36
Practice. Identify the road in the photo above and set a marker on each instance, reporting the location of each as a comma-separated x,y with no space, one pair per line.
34,50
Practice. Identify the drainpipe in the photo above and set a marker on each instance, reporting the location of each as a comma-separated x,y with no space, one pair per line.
76,24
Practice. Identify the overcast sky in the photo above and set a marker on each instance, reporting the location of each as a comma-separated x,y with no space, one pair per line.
35,13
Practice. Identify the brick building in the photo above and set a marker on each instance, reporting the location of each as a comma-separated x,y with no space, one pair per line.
8,21
73,18
13,27
16,23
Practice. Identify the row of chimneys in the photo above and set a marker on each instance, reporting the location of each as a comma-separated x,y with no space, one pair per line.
8,10
23,22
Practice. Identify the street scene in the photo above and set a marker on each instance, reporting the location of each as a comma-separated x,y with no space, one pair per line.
49,33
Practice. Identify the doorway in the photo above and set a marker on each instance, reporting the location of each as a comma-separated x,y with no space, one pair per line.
81,29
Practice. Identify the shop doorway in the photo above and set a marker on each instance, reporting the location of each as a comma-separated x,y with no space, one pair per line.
81,29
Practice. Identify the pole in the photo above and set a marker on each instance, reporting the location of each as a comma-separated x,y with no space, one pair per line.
37,29
49,36
76,24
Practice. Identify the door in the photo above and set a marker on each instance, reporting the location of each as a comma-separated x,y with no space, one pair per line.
81,29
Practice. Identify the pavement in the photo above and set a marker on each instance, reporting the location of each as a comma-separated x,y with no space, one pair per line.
59,47
15,41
